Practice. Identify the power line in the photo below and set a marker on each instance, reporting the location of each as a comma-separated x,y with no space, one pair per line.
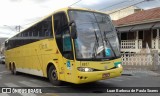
6,33
9,27
17,28
113,5
75,3
131,5
33,21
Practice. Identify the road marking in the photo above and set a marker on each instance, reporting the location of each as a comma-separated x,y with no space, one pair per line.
11,85
108,81
119,77
3,94
14,85
46,84
50,94
4,72
117,80
128,78
29,84
138,77
33,80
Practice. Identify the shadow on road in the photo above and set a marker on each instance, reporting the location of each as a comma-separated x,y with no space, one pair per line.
93,87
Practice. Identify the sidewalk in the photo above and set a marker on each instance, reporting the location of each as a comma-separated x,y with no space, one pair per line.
140,72
157,71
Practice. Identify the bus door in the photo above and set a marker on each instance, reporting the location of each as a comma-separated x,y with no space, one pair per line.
64,44
69,63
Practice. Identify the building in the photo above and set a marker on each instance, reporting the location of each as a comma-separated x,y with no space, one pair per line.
120,13
140,30
2,45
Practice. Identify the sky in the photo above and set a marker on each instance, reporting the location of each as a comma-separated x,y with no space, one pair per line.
26,12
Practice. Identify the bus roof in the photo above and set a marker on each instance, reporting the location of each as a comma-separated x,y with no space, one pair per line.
62,9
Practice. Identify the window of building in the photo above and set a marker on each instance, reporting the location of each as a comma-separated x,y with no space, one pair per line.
140,35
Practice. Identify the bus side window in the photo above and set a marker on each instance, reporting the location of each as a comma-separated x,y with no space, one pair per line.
6,45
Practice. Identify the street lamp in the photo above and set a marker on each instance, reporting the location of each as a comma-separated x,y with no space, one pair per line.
18,28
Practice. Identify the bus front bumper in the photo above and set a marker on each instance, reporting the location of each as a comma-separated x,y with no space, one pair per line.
84,77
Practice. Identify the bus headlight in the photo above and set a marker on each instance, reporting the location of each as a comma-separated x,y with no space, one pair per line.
85,69
119,65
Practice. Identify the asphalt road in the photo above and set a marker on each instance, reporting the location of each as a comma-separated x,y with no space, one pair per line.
134,79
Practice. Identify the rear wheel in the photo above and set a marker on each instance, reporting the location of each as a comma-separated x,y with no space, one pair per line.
53,76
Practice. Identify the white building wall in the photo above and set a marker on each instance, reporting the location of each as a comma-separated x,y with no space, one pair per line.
118,13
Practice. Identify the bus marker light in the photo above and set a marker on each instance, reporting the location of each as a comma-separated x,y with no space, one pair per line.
57,52
68,73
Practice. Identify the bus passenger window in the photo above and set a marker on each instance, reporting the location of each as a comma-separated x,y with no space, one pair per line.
35,33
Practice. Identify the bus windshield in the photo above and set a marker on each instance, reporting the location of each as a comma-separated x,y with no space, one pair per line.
96,36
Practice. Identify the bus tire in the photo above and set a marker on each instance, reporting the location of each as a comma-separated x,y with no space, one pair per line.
13,70
53,76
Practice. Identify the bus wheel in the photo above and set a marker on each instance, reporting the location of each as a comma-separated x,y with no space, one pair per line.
13,70
53,76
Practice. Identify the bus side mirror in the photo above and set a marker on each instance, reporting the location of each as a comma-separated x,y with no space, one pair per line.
73,29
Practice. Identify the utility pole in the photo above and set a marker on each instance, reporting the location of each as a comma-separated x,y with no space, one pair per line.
18,28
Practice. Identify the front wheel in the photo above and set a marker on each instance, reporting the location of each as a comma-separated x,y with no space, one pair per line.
53,76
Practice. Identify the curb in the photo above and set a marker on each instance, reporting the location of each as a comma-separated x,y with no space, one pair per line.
127,74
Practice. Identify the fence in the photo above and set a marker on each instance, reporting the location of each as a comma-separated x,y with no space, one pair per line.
128,44
153,43
131,44
146,61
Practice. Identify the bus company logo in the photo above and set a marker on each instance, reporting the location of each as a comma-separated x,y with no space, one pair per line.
106,67
6,90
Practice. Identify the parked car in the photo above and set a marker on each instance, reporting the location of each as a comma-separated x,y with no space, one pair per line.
2,60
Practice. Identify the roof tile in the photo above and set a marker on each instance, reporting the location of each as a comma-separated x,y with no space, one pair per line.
140,16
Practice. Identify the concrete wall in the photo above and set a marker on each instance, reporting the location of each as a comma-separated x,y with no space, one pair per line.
115,15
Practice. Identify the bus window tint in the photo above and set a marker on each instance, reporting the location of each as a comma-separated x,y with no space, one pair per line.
40,31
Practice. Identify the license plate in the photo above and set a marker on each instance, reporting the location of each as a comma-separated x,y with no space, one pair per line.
106,75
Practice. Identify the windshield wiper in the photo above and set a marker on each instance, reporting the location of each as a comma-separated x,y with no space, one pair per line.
106,39
95,45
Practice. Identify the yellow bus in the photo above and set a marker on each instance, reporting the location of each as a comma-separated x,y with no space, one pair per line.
72,44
